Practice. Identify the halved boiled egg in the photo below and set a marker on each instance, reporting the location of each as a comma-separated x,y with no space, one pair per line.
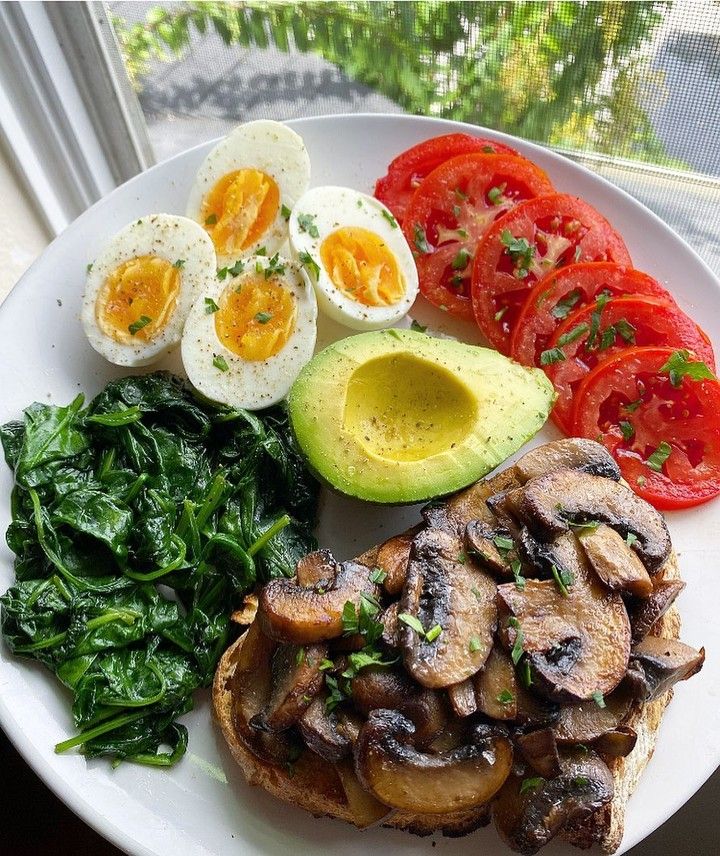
356,255
246,186
248,336
140,288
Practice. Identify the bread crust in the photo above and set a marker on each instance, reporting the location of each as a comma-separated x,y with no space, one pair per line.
314,785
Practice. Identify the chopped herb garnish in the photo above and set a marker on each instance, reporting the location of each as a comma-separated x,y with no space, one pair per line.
211,220
263,317
89,267
531,784
460,262
659,456
326,664
520,251
362,619
178,263
679,365
600,304
630,539
607,338
495,194
220,362
222,273
142,321
310,263
285,212
627,429
421,241
499,314
474,644
300,656
572,335
563,579
274,267
306,222
503,543
237,268
417,327
641,481
433,633
526,675
412,622
552,355
389,217
462,557
335,695
505,697
261,251
626,330
378,575
632,406
517,648
516,569
563,307
598,698
581,781
210,306
460,195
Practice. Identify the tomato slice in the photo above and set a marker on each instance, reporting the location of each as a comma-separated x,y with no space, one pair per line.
566,291
598,332
528,244
451,211
662,426
408,169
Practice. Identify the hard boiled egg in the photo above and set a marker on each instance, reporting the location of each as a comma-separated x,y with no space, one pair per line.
250,333
356,255
246,186
140,288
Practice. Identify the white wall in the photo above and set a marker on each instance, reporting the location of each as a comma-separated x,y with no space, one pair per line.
22,234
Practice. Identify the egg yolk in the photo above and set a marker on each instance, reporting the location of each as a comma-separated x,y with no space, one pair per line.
137,299
256,318
239,210
362,267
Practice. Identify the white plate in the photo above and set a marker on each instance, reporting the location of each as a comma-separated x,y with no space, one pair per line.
203,806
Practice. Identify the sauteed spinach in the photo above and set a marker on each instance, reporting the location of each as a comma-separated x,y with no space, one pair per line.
137,524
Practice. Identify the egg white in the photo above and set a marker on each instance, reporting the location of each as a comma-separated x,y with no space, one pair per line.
172,238
269,147
339,207
249,384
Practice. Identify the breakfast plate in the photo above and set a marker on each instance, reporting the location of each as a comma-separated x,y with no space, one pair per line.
203,806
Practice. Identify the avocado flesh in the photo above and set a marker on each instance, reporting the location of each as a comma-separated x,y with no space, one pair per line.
396,416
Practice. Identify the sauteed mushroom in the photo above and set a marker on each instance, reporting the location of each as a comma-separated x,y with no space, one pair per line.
454,603
587,721
288,612
541,751
315,569
646,613
617,743
550,503
656,664
481,542
366,810
616,563
496,686
320,732
572,453
397,774
462,698
392,558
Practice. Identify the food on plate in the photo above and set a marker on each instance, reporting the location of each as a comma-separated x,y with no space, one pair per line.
138,524
407,171
356,257
567,290
597,332
657,410
532,694
453,209
528,244
246,186
140,288
250,332
396,416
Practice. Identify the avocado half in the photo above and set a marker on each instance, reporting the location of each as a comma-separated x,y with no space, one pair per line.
396,416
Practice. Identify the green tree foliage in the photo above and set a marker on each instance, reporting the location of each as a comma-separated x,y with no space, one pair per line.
566,73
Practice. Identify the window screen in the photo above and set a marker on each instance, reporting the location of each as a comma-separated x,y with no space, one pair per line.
629,89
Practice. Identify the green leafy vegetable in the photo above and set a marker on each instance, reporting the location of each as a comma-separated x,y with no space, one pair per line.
138,524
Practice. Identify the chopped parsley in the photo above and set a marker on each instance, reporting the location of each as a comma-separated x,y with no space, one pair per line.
300,656
306,222
220,362
335,695
679,365
563,307
421,241
627,429
531,784
495,194
632,406
274,267
503,543
210,306
581,781
517,648
310,263
499,314
263,317
520,251
136,326
552,355
460,262
233,270
378,576
659,456
389,217
573,335
598,698
285,212
417,327
89,267
505,697
326,664
563,579
261,251
600,304
526,675
474,644
516,569
630,539
433,633
178,263
362,619
211,220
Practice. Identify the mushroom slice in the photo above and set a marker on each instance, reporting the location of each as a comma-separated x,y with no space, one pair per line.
541,751
617,564
455,513
445,590
462,698
529,812
496,686
656,664
315,569
551,503
246,614
296,680
397,774
574,634
320,732
392,558
572,453
389,621
481,542
383,688
366,810
290,613
617,743
587,721
645,614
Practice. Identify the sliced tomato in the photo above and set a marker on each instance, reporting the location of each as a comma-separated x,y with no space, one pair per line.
408,169
566,291
598,332
451,211
661,425
526,245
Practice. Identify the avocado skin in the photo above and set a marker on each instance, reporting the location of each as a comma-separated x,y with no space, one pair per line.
397,417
